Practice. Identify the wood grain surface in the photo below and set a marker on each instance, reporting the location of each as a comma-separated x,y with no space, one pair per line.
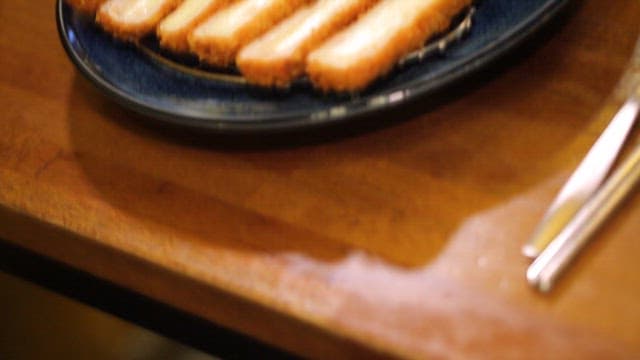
403,241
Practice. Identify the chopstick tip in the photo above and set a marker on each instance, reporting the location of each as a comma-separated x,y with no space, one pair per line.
530,251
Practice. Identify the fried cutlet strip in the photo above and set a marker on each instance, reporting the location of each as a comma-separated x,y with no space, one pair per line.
370,47
278,57
133,19
219,38
174,30
86,6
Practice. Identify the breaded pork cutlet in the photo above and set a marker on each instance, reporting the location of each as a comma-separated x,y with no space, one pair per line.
133,19
370,47
219,38
174,30
86,6
279,56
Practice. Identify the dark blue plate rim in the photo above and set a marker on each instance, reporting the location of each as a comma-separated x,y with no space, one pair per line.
350,108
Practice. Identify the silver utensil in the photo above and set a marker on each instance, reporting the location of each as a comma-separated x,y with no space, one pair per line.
584,202
586,179
547,267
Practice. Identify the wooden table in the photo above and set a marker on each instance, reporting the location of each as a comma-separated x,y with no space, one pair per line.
403,241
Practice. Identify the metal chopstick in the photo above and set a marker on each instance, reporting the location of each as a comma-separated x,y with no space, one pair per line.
594,168
545,270
586,179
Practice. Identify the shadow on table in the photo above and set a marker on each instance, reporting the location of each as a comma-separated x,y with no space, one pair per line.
59,328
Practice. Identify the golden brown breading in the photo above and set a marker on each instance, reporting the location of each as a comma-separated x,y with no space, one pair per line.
133,19
278,57
87,6
219,38
371,46
220,32
174,30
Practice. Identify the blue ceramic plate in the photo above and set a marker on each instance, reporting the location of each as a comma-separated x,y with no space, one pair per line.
220,102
